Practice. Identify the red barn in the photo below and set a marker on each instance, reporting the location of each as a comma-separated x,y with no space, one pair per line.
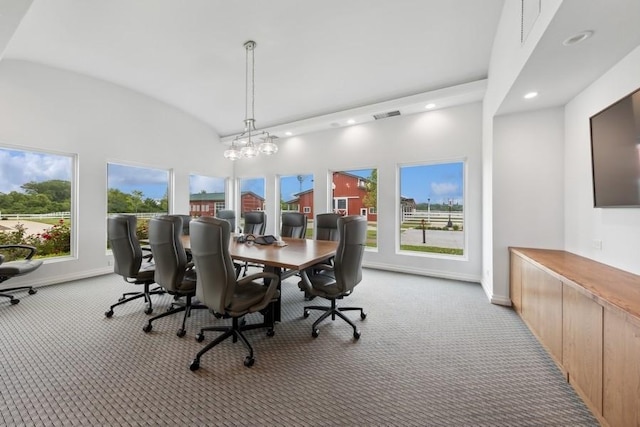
348,196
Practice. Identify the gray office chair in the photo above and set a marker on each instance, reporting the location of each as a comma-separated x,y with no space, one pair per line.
219,289
338,281
131,261
255,222
186,220
19,267
230,216
173,271
326,229
327,226
294,224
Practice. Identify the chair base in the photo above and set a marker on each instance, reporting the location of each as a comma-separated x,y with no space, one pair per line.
186,307
12,298
235,331
130,296
333,311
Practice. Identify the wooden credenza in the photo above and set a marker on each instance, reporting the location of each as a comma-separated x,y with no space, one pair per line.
587,315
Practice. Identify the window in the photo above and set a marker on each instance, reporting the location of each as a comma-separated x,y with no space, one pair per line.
36,201
355,192
137,190
207,195
432,208
297,191
252,192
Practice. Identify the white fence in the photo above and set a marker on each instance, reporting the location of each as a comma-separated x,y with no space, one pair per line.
434,218
65,215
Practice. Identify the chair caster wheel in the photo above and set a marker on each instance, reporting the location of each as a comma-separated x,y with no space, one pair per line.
200,337
147,328
249,361
181,333
305,314
270,332
315,333
108,313
195,365
356,335
148,310
32,291
363,315
14,301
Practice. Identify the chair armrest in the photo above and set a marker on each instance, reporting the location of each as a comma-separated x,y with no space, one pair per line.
31,249
273,284
327,267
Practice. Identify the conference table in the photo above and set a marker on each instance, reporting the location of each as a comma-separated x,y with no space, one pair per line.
297,255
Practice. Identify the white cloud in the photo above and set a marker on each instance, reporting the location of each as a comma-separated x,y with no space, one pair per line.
20,167
197,183
444,188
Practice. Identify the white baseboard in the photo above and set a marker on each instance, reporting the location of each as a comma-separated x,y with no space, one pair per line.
422,272
37,283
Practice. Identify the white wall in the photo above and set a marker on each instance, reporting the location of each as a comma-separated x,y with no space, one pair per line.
528,187
43,108
617,228
443,135
508,57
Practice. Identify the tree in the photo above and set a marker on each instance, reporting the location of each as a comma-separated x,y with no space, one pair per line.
56,189
371,198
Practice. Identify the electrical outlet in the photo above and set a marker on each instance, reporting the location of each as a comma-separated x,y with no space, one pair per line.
597,244
110,262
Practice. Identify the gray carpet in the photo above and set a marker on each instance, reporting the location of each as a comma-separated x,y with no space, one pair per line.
433,353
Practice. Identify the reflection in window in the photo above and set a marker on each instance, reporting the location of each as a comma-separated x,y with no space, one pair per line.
35,201
206,195
296,195
355,192
432,208
252,192
137,190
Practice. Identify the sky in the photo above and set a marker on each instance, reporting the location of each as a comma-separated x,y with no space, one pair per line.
19,167
437,182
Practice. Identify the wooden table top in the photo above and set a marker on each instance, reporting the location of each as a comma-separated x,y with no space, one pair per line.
297,255
608,285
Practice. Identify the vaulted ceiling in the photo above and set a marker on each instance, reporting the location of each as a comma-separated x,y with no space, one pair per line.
328,59
312,57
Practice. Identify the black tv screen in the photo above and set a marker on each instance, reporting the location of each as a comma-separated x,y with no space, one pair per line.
615,154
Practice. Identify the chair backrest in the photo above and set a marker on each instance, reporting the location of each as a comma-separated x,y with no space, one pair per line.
255,222
348,260
186,219
127,254
216,272
327,226
230,216
294,224
168,253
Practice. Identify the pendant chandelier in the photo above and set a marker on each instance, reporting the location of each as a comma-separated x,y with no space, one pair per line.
244,145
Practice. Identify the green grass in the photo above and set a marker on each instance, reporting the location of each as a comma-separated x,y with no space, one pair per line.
432,249
52,221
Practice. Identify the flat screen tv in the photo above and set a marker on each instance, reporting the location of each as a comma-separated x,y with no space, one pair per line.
615,153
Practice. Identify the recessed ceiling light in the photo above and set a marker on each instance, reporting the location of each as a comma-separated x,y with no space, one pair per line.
351,121
288,133
430,106
577,38
531,95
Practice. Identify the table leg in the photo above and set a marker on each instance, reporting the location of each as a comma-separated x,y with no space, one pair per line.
276,306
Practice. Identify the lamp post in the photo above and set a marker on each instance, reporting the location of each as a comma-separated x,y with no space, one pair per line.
429,210
449,223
